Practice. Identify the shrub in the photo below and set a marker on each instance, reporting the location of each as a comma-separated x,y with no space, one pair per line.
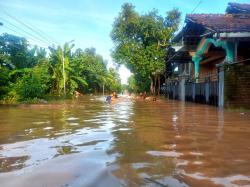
33,84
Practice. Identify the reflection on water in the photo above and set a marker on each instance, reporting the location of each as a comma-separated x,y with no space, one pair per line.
127,143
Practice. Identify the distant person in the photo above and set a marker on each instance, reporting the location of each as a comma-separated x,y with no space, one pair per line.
77,94
114,95
111,97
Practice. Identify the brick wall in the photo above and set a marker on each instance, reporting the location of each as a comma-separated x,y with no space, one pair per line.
237,86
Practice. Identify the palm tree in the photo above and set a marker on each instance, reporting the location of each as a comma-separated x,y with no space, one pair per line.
63,75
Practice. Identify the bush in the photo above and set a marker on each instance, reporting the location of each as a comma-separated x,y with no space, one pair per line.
10,98
33,84
4,81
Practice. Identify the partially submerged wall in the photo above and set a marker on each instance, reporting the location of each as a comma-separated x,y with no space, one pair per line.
237,86
188,90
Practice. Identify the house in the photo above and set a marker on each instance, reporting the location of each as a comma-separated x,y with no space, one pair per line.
210,62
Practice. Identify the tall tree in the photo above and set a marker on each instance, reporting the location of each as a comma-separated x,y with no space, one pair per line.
93,68
140,41
16,48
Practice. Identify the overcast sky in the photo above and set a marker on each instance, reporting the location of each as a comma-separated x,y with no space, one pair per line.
88,22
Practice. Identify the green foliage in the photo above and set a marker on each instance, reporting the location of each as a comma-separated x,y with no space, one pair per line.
132,87
140,40
33,84
4,81
29,74
16,50
10,98
92,69
113,81
137,84
56,68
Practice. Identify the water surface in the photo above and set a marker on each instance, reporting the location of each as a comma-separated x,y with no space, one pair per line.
87,142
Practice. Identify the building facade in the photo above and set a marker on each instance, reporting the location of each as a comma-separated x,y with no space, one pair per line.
210,62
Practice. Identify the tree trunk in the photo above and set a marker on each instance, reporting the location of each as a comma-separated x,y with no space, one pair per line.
154,85
159,85
151,85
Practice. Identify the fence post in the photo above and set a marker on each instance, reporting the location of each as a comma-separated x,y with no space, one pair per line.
193,90
182,89
207,88
221,86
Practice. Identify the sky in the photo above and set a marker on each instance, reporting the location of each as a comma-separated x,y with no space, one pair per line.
87,22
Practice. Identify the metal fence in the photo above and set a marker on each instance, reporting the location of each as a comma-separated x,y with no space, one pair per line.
203,91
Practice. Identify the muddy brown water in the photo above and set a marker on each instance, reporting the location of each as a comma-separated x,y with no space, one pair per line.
88,142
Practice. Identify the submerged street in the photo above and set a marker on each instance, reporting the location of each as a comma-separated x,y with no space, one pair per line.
87,142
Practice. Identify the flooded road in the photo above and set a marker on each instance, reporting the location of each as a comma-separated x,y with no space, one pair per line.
88,142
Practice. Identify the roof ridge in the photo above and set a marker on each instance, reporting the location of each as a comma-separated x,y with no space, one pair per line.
235,3
210,15
222,22
234,7
218,15
206,14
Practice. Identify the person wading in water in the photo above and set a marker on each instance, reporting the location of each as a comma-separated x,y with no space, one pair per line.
111,97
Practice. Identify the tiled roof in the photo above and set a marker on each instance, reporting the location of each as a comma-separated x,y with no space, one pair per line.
233,8
222,22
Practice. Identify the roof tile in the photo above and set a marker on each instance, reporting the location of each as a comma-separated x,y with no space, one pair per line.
238,8
222,22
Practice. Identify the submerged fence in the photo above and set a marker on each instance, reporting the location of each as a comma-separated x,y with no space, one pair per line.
203,91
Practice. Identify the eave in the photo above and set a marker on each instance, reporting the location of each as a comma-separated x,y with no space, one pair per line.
232,35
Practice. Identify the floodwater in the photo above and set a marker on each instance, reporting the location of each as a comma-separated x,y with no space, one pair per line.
88,142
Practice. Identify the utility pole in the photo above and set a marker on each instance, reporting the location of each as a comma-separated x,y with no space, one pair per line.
1,24
63,68
64,79
103,89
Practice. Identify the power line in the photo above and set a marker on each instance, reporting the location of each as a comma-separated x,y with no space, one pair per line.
198,4
24,36
46,35
20,22
27,26
28,33
29,44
